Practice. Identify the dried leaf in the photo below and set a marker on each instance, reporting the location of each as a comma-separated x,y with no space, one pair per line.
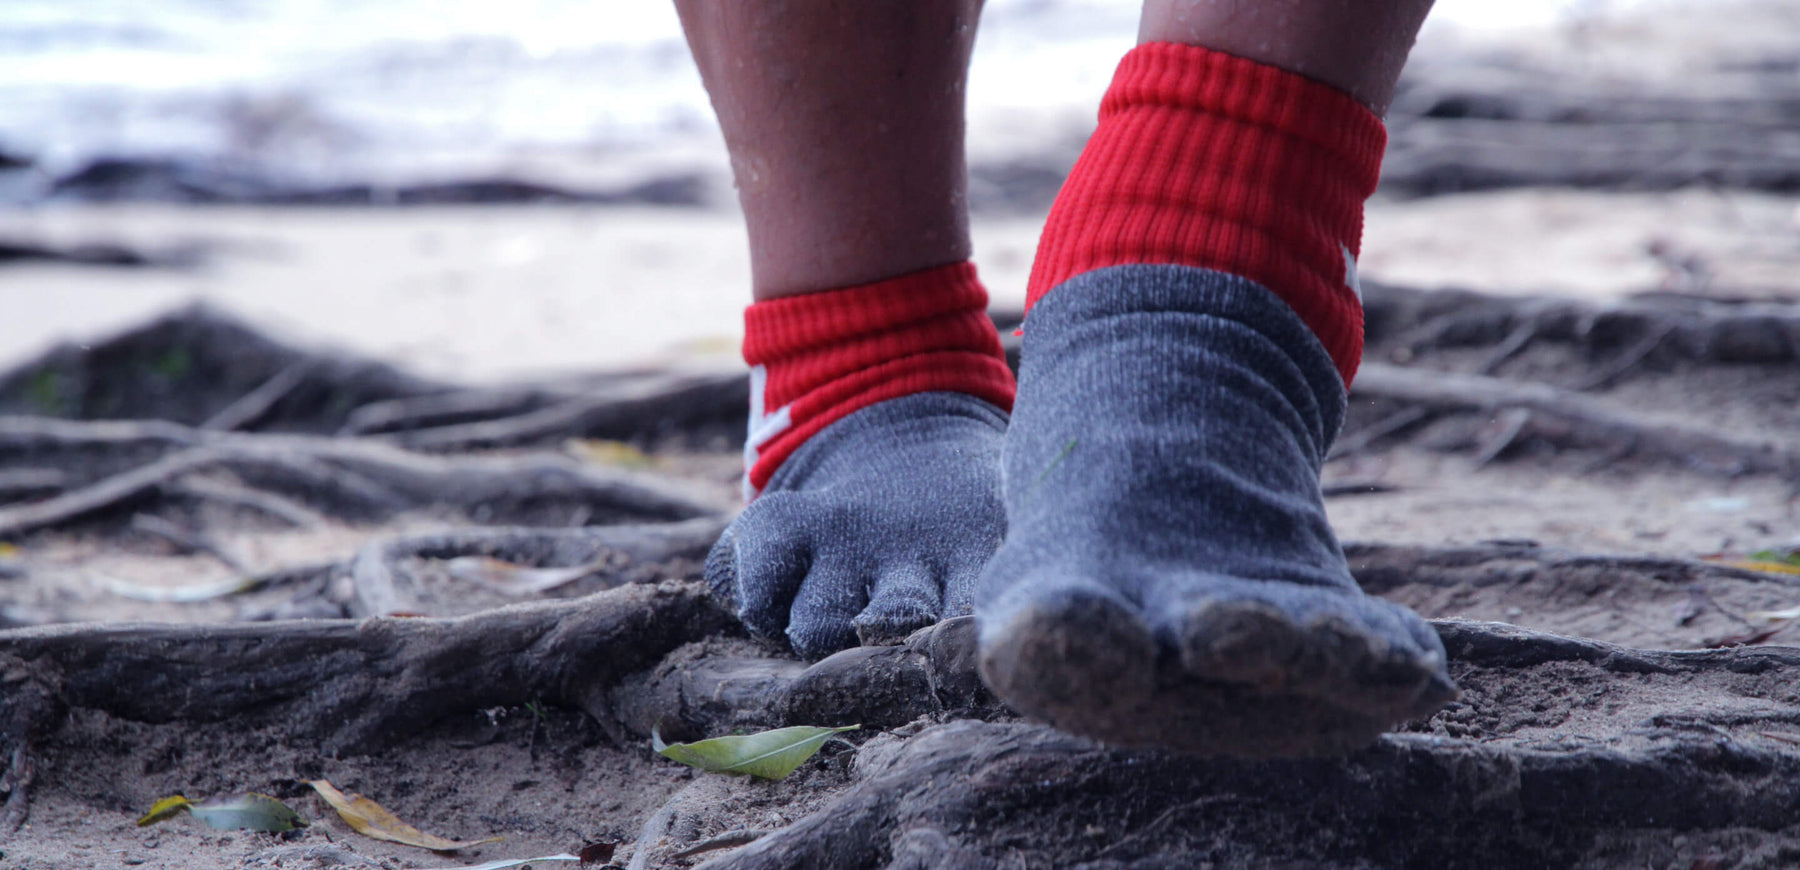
248,812
603,452
1772,616
239,812
510,579
164,810
768,754
1767,567
180,594
505,863
374,821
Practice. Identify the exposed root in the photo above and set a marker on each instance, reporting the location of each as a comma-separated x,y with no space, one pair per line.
675,402
1565,418
257,403
1505,774
385,583
357,685
347,477
1404,322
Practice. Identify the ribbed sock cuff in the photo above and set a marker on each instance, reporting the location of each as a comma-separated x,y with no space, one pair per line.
1209,160
818,357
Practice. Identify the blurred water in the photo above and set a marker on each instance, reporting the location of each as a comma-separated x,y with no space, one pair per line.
324,90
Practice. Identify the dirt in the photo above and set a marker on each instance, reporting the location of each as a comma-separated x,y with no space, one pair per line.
1558,539
392,410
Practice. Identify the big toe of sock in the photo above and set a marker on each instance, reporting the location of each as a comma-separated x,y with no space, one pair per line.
1075,654
1209,665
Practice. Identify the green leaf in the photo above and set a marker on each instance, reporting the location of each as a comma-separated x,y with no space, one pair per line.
769,754
247,812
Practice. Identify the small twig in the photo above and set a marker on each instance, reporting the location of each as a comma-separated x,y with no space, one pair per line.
252,406
188,540
727,840
1511,427
286,509
1357,487
17,783
1628,359
1521,337
1366,437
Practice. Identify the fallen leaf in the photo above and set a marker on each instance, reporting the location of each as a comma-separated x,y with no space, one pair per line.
510,579
1789,557
1769,616
603,452
248,812
374,821
8,550
505,863
1766,567
768,754
180,594
243,812
163,810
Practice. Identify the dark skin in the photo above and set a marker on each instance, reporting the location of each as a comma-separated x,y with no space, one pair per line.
844,119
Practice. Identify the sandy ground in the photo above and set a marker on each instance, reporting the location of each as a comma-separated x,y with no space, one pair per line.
486,294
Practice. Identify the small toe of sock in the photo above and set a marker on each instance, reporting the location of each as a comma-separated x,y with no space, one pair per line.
761,561
904,597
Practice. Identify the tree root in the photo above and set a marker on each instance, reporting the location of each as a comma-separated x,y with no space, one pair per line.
1403,323
384,582
1515,775
353,685
1569,419
352,478
672,402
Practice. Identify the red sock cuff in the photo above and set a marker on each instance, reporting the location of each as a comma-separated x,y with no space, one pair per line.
1209,160
818,357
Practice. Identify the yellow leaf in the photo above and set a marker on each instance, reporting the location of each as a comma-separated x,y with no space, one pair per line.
373,820
8,550
164,809
604,452
1766,567
238,812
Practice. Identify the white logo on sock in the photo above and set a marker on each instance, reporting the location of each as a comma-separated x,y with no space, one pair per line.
763,426
1350,279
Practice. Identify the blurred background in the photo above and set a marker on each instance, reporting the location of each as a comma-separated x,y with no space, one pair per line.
482,192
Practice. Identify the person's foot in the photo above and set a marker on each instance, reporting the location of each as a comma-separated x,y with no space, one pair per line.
876,527
873,458
1168,575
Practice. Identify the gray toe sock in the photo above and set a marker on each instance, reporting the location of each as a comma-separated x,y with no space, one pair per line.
877,526
1169,576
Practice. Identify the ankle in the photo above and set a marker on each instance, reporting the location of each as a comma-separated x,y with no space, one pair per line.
819,357
1208,160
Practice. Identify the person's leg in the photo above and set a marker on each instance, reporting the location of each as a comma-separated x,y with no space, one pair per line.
1169,575
879,390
